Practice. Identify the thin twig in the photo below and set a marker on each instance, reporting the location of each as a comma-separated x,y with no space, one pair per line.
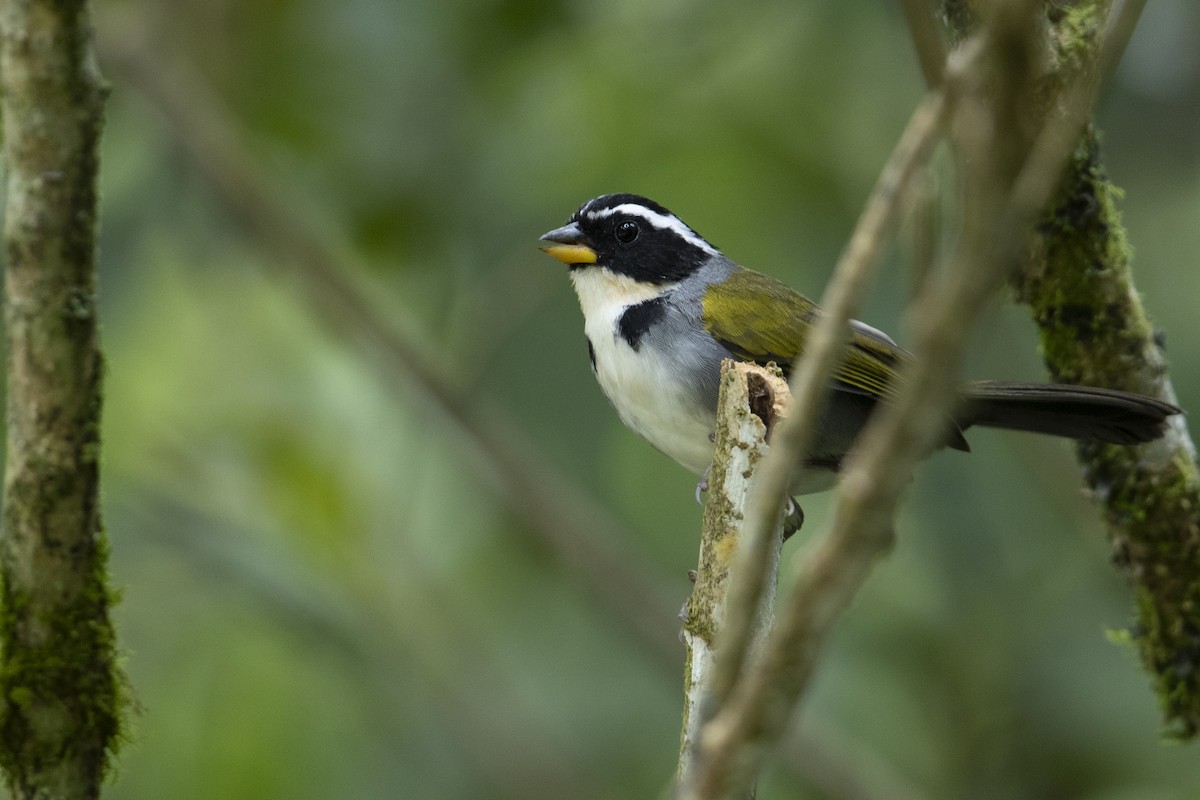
1003,180
927,39
1120,30
809,384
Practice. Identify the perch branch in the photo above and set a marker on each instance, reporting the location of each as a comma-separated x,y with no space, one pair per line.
751,400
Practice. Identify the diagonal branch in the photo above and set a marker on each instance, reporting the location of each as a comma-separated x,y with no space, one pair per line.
1010,170
1078,284
572,527
927,39
851,278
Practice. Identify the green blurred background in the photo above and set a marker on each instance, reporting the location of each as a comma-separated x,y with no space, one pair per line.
329,591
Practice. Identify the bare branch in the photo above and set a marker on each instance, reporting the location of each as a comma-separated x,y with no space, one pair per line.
1118,33
1015,163
808,385
927,39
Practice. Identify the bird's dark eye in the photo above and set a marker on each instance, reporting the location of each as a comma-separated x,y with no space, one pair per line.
627,231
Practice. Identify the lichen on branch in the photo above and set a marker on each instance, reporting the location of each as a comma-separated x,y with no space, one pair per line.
1094,330
60,690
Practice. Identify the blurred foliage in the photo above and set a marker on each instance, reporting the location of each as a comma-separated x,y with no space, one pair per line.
325,593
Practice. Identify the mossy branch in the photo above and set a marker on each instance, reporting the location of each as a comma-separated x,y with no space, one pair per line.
1077,282
1094,330
60,693
1011,159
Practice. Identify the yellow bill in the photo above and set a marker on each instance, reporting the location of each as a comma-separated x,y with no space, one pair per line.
571,253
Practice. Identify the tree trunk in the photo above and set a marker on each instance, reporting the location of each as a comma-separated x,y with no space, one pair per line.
59,686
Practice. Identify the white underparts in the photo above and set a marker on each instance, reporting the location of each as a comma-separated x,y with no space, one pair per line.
644,385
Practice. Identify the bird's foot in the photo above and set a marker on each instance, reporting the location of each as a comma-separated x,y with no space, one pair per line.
685,618
702,486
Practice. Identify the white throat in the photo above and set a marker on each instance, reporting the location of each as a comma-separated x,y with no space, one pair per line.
647,386
604,295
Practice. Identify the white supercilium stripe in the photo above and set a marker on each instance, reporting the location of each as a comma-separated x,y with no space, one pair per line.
663,221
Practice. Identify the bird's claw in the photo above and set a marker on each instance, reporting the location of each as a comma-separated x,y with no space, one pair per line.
702,486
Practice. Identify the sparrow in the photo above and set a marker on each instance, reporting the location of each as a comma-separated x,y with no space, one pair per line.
662,308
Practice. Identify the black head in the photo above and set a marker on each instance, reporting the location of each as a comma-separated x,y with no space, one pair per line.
629,235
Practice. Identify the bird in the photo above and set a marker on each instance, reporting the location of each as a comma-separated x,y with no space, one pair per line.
662,308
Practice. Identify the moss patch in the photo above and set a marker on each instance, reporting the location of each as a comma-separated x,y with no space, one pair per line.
1093,330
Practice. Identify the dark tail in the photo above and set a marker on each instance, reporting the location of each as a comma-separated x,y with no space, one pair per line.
1076,412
